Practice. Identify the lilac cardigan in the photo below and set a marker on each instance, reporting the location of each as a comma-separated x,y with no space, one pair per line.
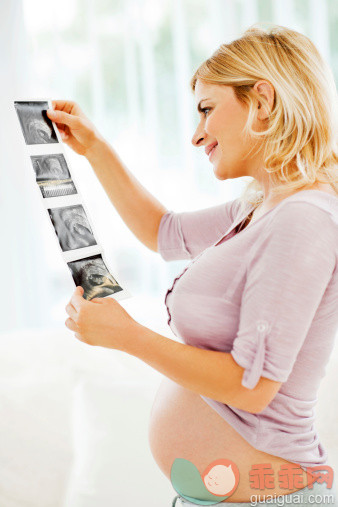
268,295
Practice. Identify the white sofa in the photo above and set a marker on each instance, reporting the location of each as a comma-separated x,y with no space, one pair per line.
74,421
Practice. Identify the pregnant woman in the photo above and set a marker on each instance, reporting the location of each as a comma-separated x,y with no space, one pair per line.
256,308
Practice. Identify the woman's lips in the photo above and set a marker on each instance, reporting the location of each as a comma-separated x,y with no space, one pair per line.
212,151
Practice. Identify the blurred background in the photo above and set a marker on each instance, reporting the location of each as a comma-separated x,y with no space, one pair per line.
128,64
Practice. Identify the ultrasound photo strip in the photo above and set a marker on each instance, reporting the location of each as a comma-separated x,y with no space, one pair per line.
72,227
36,127
52,175
67,215
92,274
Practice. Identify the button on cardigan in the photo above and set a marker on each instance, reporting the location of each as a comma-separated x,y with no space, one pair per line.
267,294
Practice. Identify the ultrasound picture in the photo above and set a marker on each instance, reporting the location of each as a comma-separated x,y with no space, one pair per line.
37,128
52,175
92,274
72,227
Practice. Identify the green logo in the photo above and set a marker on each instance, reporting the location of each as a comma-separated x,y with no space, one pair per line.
219,480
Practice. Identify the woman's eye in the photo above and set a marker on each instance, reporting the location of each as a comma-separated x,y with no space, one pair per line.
205,109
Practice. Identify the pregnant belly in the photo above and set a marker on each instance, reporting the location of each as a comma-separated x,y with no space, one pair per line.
183,425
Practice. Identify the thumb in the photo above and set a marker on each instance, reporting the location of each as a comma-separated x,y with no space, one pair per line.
62,117
80,290
77,300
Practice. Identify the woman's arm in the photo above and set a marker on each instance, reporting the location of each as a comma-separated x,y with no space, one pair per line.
210,373
137,207
104,322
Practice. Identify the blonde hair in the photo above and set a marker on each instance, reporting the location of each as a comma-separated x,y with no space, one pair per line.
300,142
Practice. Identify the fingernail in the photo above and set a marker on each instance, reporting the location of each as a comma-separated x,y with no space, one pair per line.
51,113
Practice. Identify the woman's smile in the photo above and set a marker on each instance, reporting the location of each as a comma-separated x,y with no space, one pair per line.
212,151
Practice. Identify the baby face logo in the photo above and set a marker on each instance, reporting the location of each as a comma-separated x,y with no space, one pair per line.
218,481
221,477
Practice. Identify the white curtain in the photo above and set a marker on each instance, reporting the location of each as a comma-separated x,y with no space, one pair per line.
24,296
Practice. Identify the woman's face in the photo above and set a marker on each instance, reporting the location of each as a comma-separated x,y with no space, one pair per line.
222,120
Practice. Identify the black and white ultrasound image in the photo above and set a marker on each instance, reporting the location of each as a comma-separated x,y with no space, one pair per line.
72,227
52,175
36,127
92,274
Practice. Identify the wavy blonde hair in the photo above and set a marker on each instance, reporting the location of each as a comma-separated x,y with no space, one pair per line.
300,141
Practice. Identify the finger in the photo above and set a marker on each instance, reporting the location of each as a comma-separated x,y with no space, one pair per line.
77,300
63,128
63,105
79,290
69,139
71,312
68,106
62,117
63,134
71,325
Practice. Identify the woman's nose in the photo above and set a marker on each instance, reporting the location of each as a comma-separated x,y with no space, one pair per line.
198,137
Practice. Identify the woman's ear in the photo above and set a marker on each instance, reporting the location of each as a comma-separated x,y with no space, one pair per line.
267,92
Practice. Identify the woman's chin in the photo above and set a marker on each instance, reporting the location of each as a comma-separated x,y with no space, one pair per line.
219,174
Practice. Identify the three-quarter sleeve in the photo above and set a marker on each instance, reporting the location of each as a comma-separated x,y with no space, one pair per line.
184,235
288,270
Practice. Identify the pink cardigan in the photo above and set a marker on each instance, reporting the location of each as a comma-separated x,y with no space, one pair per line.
268,295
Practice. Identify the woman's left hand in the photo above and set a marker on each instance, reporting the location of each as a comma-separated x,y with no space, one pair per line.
101,321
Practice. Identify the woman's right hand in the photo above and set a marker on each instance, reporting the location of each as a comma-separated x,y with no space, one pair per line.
76,130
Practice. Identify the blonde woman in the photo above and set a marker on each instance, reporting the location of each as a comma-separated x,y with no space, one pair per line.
257,306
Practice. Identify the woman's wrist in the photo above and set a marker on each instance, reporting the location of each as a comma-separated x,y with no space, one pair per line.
135,339
96,151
